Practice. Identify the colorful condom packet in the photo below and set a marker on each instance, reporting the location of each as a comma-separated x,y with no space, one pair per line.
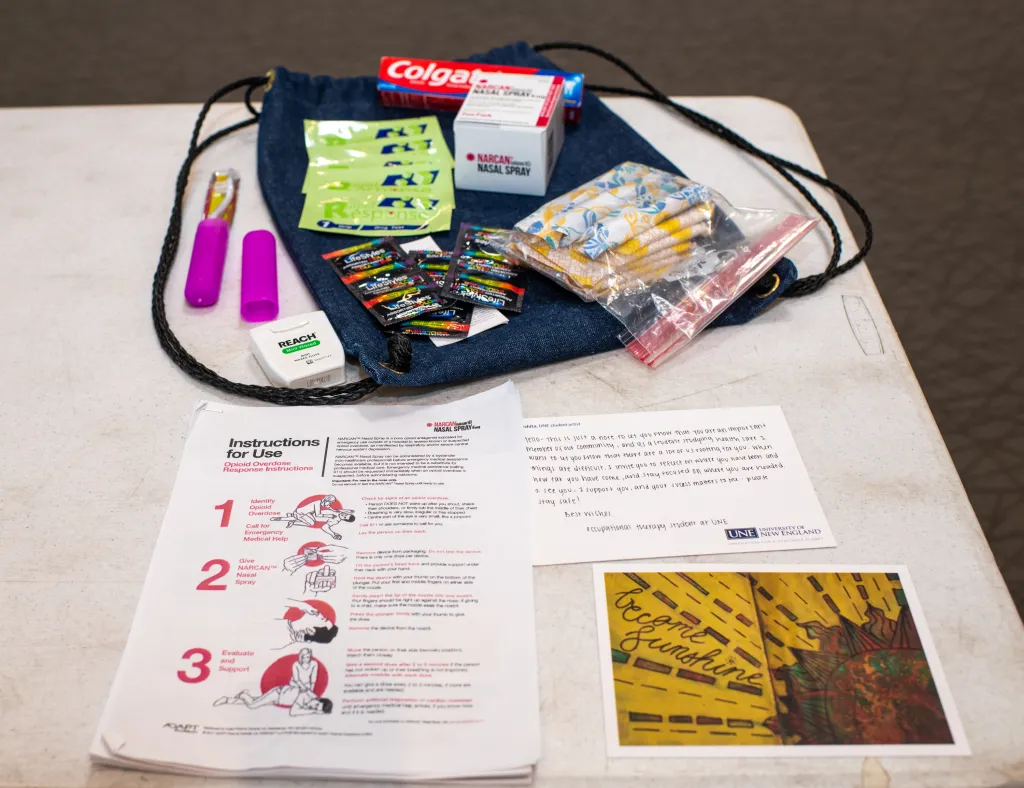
322,134
383,279
481,272
453,319
434,265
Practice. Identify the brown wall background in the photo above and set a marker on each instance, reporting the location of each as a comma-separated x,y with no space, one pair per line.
914,105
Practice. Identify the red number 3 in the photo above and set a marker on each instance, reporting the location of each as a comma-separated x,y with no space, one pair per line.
207,583
200,661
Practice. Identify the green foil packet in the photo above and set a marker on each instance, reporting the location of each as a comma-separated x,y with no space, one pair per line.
343,169
424,179
434,147
416,210
332,133
377,178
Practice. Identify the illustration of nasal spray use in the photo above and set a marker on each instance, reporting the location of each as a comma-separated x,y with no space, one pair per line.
210,248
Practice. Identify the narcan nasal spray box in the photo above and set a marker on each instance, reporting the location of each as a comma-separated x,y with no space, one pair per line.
508,133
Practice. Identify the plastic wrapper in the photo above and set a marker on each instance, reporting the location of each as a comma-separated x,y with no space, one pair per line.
661,253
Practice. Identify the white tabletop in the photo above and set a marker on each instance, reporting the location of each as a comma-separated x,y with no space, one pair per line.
94,415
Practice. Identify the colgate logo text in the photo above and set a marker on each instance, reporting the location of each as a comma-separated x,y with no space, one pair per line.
431,74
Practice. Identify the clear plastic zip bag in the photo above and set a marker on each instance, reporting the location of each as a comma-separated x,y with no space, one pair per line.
663,254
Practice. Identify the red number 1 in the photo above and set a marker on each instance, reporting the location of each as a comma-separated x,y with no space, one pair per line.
200,662
225,512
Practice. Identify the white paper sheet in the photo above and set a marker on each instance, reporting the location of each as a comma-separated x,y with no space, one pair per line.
482,319
409,585
685,482
737,660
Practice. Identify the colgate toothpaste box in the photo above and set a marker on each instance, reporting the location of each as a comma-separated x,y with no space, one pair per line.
444,84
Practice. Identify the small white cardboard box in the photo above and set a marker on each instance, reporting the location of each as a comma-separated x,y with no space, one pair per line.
508,133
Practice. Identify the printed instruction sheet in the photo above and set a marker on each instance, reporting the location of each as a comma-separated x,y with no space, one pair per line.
730,660
686,482
338,590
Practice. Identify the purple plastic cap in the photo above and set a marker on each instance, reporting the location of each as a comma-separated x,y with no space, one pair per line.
206,269
259,276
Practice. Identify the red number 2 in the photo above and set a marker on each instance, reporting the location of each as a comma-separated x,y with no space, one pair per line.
207,583
200,662
225,512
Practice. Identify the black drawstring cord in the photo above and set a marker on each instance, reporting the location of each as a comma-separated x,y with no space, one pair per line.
399,346
802,287
247,98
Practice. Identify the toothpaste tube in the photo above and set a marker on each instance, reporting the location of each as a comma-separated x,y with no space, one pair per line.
442,84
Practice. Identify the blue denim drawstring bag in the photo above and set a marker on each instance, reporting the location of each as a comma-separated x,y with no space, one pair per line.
554,325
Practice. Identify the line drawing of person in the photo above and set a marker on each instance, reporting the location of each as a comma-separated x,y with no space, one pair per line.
299,703
297,695
316,512
304,670
313,626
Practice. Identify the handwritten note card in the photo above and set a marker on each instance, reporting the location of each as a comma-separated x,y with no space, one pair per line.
693,482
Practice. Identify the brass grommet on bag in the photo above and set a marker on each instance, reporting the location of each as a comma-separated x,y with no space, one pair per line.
776,281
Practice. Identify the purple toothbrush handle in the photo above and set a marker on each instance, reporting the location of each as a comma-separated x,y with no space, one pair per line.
206,269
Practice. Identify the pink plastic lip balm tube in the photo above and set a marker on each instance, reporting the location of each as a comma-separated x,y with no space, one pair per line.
206,269
259,276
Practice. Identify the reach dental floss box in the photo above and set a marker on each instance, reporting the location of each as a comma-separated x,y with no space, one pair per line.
509,132
299,352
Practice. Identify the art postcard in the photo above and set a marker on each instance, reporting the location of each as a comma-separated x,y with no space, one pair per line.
732,660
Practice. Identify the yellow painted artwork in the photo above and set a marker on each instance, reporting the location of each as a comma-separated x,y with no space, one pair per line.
768,658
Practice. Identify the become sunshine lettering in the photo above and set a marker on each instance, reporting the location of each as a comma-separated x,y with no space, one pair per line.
672,637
